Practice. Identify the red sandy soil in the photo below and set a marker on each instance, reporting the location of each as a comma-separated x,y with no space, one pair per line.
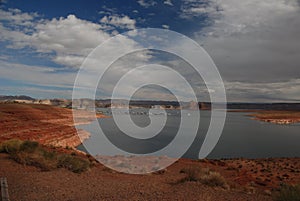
259,173
248,179
46,124
100,183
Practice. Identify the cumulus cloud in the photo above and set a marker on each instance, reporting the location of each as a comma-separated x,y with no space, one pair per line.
255,43
17,17
68,39
123,22
264,92
67,35
233,16
168,2
165,26
146,3
107,11
36,75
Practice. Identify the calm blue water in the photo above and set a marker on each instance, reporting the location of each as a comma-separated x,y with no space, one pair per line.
241,137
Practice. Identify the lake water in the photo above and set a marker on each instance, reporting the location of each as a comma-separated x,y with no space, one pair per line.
241,136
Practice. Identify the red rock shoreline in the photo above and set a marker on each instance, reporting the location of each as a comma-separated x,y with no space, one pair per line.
283,117
49,125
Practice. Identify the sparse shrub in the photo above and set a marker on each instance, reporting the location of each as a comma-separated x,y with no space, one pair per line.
11,146
49,155
213,179
36,159
192,174
205,176
288,193
29,146
73,163
31,153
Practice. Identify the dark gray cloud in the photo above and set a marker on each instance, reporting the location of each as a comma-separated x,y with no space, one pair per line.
267,54
255,45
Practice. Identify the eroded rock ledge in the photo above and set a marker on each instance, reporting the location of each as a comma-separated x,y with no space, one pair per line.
46,124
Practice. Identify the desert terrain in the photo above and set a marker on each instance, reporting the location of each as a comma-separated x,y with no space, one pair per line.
53,128
48,125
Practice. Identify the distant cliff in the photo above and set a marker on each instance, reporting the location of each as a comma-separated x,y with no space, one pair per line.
22,97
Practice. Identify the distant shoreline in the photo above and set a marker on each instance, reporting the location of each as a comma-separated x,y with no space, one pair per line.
283,117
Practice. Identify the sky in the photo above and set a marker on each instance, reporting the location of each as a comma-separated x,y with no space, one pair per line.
254,44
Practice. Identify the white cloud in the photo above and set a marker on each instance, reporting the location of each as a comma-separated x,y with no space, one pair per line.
4,57
119,21
36,75
168,2
17,38
266,92
69,60
165,26
195,8
254,44
17,17
146,3
150,74
70,39
234,16
107,11
66,41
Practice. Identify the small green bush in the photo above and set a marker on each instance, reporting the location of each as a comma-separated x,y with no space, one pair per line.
213,179
35,159
288,193
204,176
29,146
192,174
73,163
11,146
49,155
31,153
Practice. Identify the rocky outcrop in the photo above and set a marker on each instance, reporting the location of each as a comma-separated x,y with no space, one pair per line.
70,140
277,117
280,121
43,123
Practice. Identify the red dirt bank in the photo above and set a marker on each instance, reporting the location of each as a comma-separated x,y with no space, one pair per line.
46,124
100,183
